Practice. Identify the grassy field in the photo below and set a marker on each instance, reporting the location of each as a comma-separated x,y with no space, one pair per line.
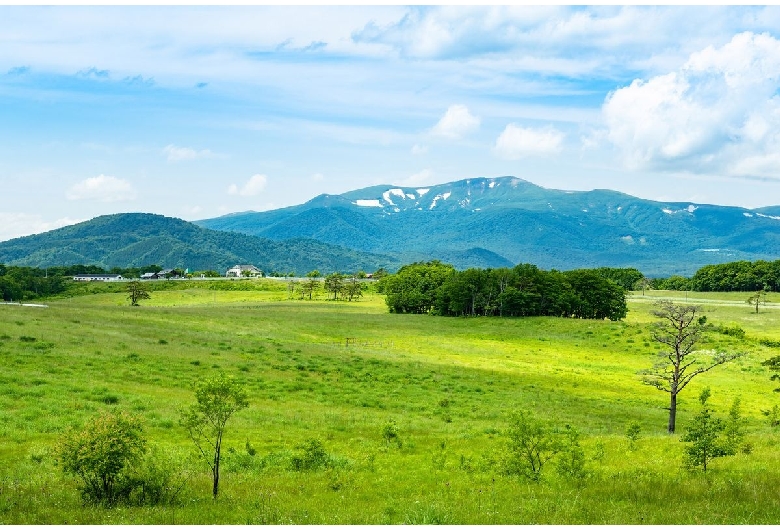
448,383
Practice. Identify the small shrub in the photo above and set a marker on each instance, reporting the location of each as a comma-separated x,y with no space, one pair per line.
571,458
439,458
251,451
390,433
598,452
531,444
102,456
157,479
162,341
311,456
110,399
773,415
732,330
25,338
734,429
633,431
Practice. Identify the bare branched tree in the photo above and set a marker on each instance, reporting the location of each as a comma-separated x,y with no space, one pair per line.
680,329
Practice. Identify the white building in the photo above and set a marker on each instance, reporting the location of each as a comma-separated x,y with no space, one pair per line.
241,271
97,277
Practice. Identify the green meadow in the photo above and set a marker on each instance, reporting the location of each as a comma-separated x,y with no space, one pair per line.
339,372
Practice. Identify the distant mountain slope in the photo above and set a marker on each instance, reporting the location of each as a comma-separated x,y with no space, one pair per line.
135,239
509,220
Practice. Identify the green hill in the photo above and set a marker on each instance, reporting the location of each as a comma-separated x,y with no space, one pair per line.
135,239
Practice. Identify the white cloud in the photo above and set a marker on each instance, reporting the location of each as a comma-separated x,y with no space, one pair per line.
418,149
177,154
422,178
102,188
518,142
456,123
22,224
254,186
718,112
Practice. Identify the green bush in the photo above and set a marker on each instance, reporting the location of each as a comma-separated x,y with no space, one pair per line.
531,444
102,456
391,434
311,456
732,330
571,459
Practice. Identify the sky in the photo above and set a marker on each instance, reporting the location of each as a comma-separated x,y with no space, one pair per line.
199,111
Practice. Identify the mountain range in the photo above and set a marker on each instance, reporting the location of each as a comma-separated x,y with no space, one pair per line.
479,222
495,222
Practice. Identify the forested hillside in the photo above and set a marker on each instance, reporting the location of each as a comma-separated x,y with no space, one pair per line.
137,239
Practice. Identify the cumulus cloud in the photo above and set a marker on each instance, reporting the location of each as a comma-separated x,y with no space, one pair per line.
102,188
23,224
720,112
456,123
518,142
177,154
254,186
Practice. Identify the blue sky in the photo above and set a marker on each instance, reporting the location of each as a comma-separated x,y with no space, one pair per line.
196,112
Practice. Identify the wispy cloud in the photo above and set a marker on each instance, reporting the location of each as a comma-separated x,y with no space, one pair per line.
516,142
421,178
103,189
178,154
254,186
22,224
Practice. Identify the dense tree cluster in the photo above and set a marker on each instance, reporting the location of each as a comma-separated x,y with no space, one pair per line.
524,290
738,276
627,278
25,283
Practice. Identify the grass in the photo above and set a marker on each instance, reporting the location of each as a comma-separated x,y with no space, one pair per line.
448,383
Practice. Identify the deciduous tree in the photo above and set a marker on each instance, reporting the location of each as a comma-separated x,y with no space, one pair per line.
758,298
217,399
136,292
704,436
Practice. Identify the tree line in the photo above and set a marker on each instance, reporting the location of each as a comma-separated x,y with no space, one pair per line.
26,283
525,290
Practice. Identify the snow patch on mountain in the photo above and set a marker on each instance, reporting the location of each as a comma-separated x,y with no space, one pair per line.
368,202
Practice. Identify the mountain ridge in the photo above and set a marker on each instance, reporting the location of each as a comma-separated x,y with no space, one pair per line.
518,221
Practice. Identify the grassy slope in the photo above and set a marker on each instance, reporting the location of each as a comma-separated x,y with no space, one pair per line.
448,383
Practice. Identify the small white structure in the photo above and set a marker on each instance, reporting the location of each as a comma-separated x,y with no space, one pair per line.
97,277
241,271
